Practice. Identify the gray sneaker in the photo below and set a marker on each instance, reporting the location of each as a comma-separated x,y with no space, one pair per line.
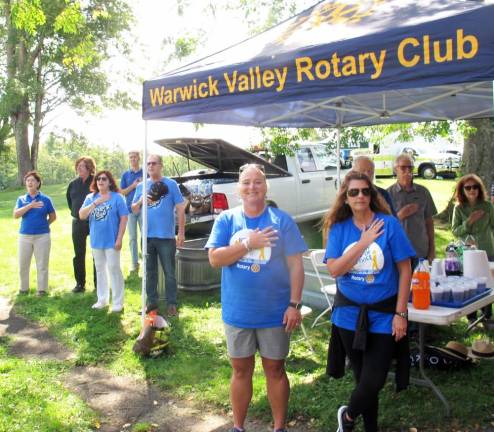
344,425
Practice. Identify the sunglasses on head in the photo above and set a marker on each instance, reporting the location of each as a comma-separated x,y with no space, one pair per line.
247,165
101,178
355,192
470,187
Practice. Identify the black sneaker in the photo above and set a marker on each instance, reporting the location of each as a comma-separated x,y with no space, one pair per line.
235,429
79,289
344,425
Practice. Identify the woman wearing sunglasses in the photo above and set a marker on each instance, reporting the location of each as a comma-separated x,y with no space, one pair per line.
107,213
368,253
474,215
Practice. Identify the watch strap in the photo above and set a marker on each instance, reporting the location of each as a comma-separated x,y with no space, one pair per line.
402,314
297,306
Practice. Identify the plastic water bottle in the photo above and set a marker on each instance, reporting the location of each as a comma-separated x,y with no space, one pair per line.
421,286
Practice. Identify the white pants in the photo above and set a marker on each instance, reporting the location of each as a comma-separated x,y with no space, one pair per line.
109,260
40,245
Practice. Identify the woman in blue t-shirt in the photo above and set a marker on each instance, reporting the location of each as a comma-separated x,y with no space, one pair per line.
259,249
369,254
37,213
107,213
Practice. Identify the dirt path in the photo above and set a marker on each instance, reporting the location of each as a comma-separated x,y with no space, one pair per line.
121,401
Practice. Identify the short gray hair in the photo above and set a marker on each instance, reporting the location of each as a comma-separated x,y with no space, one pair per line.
403,156
363,158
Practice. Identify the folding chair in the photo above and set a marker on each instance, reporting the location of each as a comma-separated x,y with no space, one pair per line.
329,291
305,311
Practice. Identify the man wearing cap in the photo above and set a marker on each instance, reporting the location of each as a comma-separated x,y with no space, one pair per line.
130,179
161,240
414,208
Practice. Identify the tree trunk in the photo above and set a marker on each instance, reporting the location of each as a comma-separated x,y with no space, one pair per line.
21,124
478,158
478,154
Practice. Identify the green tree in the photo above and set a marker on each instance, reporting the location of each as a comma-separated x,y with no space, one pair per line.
53,53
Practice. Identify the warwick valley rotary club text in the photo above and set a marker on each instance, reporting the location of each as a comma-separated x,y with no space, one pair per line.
411,52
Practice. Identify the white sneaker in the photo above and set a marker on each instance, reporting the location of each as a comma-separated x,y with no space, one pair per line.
99,305
117,309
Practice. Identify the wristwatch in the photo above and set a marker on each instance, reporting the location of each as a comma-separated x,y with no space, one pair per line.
402,314
297,306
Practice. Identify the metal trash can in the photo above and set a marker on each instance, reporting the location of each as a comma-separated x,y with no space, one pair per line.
192,269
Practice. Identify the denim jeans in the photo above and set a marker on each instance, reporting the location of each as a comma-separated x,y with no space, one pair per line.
132,222
164,249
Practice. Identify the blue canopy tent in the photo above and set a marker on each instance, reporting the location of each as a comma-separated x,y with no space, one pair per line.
342,63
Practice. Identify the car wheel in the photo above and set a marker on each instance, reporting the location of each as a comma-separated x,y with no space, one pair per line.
428,172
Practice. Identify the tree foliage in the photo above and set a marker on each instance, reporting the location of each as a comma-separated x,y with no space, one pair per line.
54,53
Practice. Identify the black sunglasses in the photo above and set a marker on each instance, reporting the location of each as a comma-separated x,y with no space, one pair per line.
470,187
101,178
405,167
152,163
355,192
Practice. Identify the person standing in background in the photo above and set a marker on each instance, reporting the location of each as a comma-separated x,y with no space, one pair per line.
37,213
77,191
365,165
414,208
130,179
161,241
107,214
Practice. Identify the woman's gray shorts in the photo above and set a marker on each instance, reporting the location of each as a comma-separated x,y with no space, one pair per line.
273,342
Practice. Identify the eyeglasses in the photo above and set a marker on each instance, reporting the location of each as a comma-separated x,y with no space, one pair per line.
153,163
470,187
355,192
405,167
247,165
101,178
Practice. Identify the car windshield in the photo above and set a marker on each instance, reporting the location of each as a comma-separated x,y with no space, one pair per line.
325,158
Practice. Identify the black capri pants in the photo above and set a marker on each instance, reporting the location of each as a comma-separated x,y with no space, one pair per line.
370,369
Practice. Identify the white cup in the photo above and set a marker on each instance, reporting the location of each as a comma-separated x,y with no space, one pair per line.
437,268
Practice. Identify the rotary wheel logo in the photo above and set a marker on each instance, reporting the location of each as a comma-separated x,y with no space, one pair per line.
369,278
255,268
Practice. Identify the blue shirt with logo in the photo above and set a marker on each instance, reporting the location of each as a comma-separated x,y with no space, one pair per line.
35,221
129,177
104,220
161,213
375,276
255,290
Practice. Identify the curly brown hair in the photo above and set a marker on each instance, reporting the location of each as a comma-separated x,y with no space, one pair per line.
459,194
341,211
88,161
94,183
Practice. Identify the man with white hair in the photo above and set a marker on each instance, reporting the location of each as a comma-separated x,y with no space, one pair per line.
415,208
365,165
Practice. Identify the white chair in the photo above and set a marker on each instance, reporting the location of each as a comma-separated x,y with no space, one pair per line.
329,291
304,312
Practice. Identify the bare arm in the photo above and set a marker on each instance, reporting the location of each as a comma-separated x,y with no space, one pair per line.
52,217
343,264
292,316
227,255
429,225
130,188
399,324
181,224
121,232
21,211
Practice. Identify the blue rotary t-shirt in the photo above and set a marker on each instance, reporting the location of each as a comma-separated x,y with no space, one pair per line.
161,213
104,220
255,290
35,221
375,276
129,177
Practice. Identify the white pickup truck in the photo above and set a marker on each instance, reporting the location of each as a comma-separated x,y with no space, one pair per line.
304,185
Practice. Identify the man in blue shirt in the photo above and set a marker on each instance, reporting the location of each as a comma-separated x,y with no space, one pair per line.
130,179
161,233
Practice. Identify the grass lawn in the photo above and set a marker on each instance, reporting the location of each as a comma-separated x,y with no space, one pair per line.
197,367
